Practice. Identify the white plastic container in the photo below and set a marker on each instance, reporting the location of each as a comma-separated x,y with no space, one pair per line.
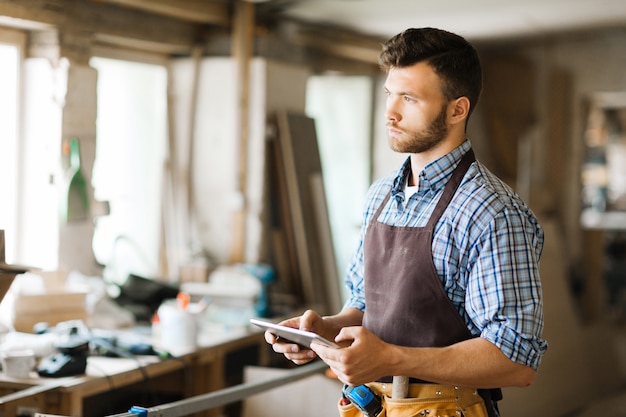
178,328
18,363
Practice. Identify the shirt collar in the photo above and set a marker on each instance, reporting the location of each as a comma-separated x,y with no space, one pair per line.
435,175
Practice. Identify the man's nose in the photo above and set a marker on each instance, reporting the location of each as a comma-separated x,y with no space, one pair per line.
391,111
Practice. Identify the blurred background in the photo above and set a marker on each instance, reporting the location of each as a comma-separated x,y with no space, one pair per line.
190,142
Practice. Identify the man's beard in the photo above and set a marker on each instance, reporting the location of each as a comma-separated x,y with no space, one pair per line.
425,139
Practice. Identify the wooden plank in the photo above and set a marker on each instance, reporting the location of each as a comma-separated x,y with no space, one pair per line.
329,263
283,245
301,244
301,160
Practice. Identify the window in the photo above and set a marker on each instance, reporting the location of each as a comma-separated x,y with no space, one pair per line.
342,109
30,118
9,82
131,150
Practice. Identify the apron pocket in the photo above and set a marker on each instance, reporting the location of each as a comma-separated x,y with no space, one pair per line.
476,410
351,411
411,407
348,410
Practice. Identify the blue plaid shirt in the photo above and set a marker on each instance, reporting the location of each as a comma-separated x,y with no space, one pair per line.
486,249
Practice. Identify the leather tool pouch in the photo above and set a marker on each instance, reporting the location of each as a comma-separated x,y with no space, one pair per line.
426,400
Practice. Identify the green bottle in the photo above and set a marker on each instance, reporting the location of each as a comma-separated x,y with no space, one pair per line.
77,198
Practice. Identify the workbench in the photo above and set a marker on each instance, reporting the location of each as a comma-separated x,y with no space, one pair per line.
112,385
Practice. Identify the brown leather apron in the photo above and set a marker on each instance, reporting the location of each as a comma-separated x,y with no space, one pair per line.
405,300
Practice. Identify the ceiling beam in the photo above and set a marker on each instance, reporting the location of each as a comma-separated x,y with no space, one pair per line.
199,11
106,22
338,43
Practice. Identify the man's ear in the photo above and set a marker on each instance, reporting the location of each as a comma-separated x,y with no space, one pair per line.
459,109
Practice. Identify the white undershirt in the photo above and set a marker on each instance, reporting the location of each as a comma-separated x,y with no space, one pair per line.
409,190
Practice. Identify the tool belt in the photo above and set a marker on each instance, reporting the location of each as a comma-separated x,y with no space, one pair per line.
430,400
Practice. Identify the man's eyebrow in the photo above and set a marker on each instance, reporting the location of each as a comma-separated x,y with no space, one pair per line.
402,93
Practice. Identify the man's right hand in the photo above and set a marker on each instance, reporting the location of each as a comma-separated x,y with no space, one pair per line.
309,321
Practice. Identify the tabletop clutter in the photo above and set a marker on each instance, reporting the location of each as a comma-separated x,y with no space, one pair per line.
51,322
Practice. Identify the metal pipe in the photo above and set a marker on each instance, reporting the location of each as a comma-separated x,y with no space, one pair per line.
225,396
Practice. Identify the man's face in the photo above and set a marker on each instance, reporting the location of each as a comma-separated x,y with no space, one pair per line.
416,110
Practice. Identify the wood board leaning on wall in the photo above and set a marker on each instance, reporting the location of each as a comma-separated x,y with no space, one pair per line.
301,236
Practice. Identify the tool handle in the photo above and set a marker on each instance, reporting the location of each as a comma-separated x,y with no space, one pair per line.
400,387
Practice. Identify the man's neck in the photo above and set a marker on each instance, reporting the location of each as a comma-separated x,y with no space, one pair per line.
420,160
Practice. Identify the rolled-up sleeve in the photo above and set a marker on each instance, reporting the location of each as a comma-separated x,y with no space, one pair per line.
504,297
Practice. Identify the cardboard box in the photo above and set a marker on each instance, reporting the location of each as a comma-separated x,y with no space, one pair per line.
52,305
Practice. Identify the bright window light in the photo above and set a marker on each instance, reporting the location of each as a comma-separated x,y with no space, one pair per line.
131,148
342,106
9,64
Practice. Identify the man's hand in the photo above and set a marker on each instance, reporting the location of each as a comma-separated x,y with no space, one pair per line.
361,362
309,321
327,327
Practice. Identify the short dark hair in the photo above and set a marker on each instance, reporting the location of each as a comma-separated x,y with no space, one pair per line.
452,57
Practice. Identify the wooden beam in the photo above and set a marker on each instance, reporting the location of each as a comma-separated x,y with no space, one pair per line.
200,11
242,38
102,41
559,130
103,20
339,44
507,103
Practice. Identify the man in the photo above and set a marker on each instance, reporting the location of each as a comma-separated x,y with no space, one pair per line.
444,284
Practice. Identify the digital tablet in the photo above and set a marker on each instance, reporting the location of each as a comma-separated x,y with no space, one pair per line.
301,337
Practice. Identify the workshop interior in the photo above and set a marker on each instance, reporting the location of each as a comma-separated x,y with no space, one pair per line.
172,169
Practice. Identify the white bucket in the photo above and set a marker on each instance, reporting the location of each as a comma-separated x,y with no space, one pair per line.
179,328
